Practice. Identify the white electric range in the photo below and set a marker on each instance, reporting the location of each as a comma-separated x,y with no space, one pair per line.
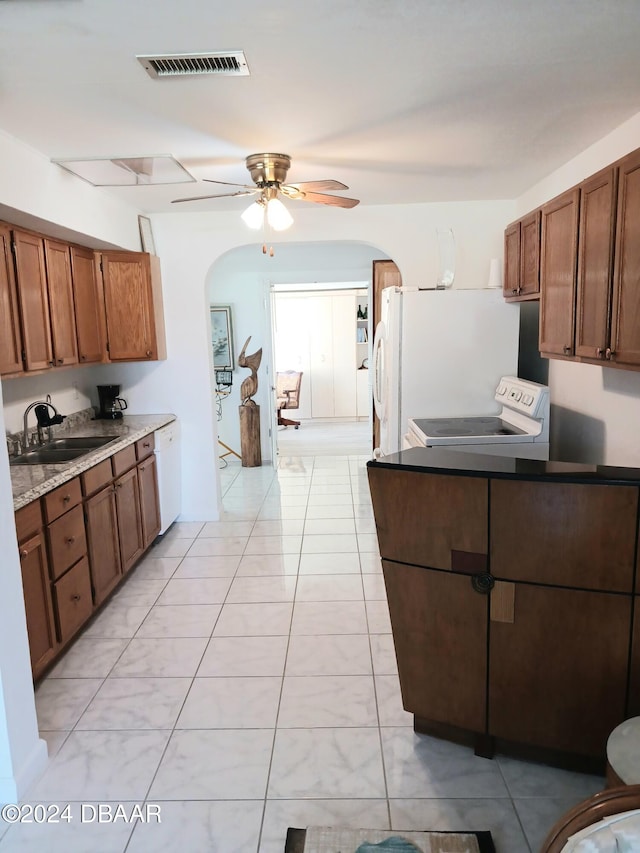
520,429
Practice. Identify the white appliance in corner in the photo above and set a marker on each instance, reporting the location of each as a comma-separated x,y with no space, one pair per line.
439,353
168,462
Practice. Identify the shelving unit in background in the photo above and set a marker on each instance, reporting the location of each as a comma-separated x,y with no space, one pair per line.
363,326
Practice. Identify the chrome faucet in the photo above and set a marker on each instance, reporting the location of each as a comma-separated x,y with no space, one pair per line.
44,420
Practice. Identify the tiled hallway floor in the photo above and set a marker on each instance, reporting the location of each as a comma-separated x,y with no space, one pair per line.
244,680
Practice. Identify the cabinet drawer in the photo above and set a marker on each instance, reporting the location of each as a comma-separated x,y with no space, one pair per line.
97,477
145,446
67,541
72,597
123,460
62,499
28,520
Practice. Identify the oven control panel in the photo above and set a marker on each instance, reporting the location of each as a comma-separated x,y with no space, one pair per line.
524,396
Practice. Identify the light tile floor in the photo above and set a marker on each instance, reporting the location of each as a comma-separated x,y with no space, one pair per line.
244,679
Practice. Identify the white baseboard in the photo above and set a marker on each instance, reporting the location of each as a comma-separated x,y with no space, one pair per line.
13,788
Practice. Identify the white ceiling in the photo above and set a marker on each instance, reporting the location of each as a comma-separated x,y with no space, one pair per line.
402,100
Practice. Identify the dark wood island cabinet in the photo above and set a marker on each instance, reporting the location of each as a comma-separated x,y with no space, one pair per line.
513,595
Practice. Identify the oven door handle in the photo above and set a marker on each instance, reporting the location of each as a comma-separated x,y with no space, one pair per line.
379,390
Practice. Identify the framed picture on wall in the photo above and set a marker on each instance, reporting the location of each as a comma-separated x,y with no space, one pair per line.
146,235
222,337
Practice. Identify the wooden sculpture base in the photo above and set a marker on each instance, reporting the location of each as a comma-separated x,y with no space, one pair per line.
250,436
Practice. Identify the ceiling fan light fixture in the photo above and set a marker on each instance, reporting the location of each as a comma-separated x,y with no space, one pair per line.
253,216
278,216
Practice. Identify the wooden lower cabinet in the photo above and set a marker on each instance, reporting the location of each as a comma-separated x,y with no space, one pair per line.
439,627
558,671
102,536
74,604
36,587
129,518
149,500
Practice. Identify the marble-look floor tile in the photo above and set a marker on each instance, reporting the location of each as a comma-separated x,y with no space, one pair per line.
195,591
73,836
524,779
329,617
273,545
330,511
370,563
139,592
419,765
228,826
355,813
120,620
60,702
329,588
329,564
329,526
330,500
378,617
180,620
365,525
249,702
390,708
185,529
384,654
341,543
216,529
368,543
54,741
262,589
219,547
171,548
207,567
253,620
538,814
270,512
374,588
332,654
495,815
279,527
89,658
331,763
135,703
255,565
155,568
214,764
103,766
167,658
327,701
238,656
332,488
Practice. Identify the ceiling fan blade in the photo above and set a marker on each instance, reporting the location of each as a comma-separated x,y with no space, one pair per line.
228,184
220,195
312,186
332,200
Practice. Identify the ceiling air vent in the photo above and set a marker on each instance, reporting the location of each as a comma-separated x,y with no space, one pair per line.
230,63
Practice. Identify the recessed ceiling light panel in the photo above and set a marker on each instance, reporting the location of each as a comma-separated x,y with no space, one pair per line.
128,171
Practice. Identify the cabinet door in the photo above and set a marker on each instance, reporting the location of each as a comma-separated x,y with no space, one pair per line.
431,520
595,263
558,669
34,304
129,519
149,502
103,543
558,274
61,308
511,281
439,628
72,595
37,601
530,254
10,337
633,707
89,306
625,331
129,309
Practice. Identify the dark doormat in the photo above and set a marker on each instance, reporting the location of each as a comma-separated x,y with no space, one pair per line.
332,839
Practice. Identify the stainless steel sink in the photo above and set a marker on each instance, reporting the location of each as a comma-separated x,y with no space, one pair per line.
62,450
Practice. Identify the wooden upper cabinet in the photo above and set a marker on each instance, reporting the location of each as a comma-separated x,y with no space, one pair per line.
10,336
530,255
89,306
133,306
31,276
625,328
595,263
61,307
558,270
511,278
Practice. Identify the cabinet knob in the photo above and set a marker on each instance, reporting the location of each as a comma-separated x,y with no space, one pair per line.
566,350
83,358
52,364
514,291
60,361
599,352
483,582
147,444
76,597
24,554
609,353
66,499
148,353
70,540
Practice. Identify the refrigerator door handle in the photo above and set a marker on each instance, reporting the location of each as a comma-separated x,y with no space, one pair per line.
379,396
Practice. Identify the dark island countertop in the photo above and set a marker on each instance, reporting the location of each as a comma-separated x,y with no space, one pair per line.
436,460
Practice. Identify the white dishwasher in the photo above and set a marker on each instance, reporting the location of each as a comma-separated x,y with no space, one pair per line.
167,450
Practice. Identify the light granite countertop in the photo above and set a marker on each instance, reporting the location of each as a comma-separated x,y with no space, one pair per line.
30,482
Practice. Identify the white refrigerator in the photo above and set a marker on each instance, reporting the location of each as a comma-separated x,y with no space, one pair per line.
439,354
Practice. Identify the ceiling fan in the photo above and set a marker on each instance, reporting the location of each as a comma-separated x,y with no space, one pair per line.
269,172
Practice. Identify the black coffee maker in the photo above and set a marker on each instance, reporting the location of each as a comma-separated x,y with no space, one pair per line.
111,405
